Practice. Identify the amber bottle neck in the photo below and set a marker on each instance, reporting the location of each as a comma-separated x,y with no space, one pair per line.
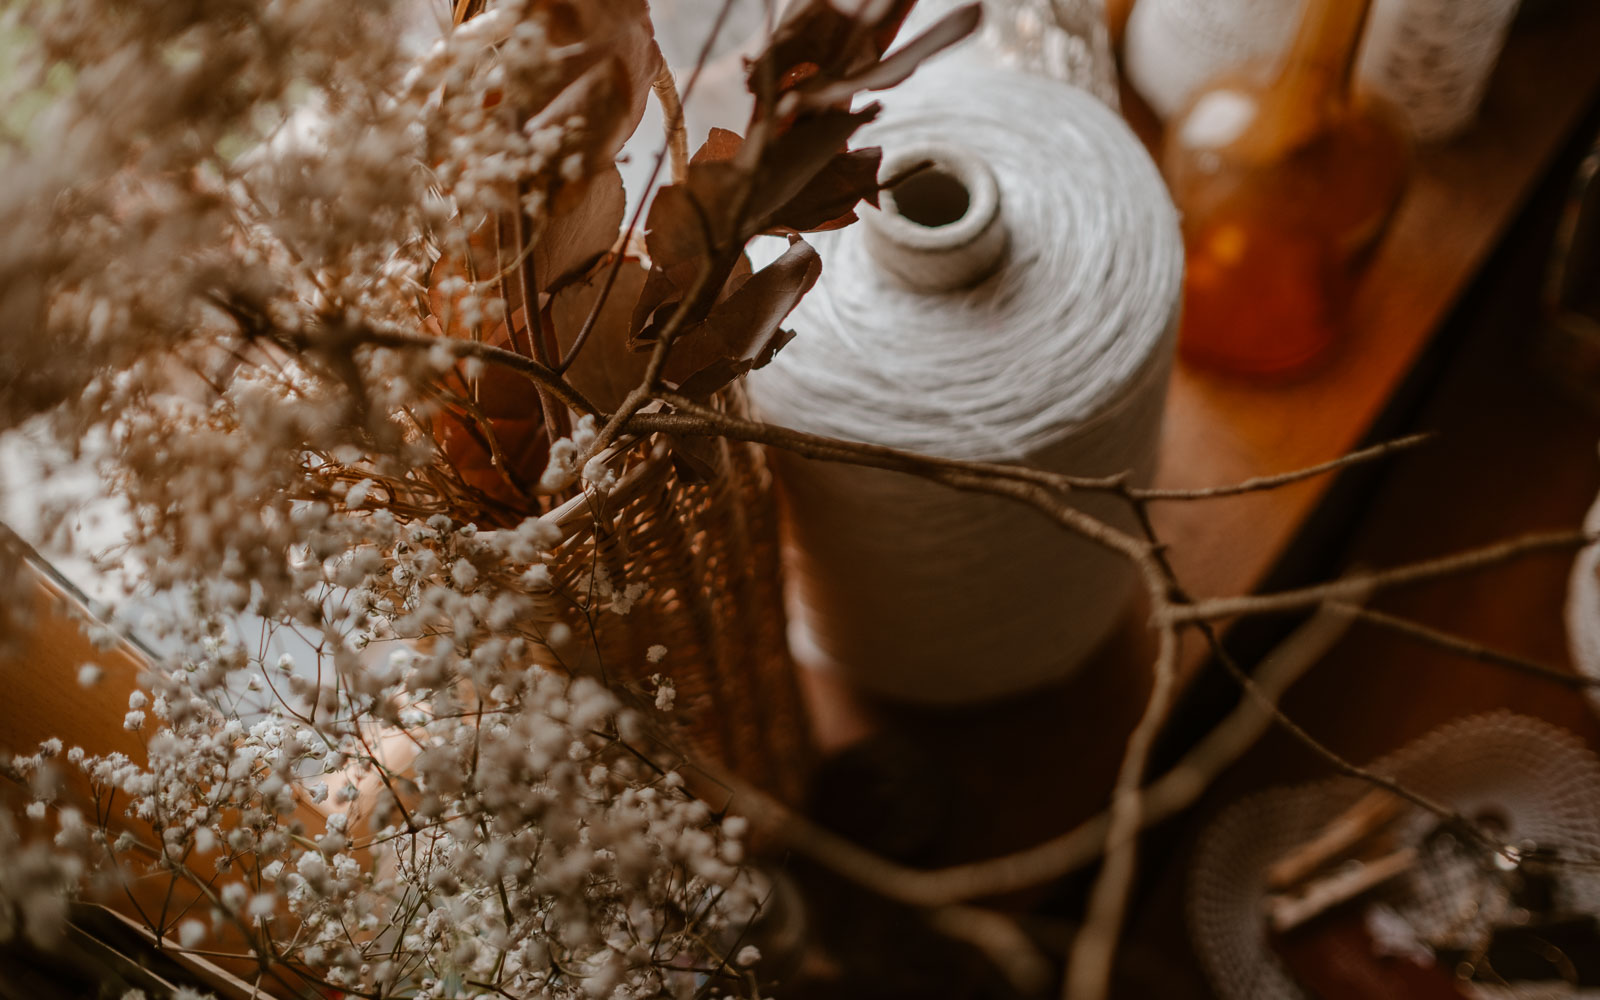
1321,59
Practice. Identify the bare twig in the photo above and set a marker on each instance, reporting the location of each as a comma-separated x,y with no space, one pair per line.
1041,490
1046,493
1222,746
1070,851
1089,973
1002,942
694,418
1356,589
1259,483
1089,967
1348,587
1471,650
532,370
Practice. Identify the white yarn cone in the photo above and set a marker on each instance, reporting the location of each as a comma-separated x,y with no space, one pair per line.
1055,355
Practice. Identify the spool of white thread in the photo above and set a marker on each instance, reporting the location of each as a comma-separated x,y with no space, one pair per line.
1015,302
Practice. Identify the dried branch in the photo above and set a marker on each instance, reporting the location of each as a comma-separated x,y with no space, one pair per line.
1089,967
1348,587
1000,939
1070,851
1171,606
349,338
1041,490
1258,484
1469,649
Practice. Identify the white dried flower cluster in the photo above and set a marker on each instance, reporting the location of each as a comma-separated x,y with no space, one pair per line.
517,839
36,884
217,221
482,152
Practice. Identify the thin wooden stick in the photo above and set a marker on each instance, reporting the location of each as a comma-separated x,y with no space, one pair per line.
1286,912
1370,813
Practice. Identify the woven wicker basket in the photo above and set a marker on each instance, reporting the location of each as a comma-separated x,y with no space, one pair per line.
706,555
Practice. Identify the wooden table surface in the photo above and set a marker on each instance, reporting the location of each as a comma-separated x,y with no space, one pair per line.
1462,197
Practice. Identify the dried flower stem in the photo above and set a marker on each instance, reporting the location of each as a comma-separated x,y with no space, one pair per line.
666,90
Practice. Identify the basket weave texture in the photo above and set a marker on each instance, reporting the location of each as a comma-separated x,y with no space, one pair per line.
703,559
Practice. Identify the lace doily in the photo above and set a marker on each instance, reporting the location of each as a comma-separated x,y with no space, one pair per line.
1537,782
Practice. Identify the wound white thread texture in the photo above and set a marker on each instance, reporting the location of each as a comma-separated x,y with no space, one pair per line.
1058,359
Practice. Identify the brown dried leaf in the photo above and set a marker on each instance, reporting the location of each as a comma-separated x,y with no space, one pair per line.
691,227
817,41
607,368
800,182
609,59
592,31
901,63
689,223
795,160
821,56
511,415
721,144
656,299
659,298
829,200
743,332
583,223
599,97
619,30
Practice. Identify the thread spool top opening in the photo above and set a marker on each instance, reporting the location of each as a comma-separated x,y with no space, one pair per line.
932,197
939,228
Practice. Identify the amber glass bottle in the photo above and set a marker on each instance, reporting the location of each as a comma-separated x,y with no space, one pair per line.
1286,180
